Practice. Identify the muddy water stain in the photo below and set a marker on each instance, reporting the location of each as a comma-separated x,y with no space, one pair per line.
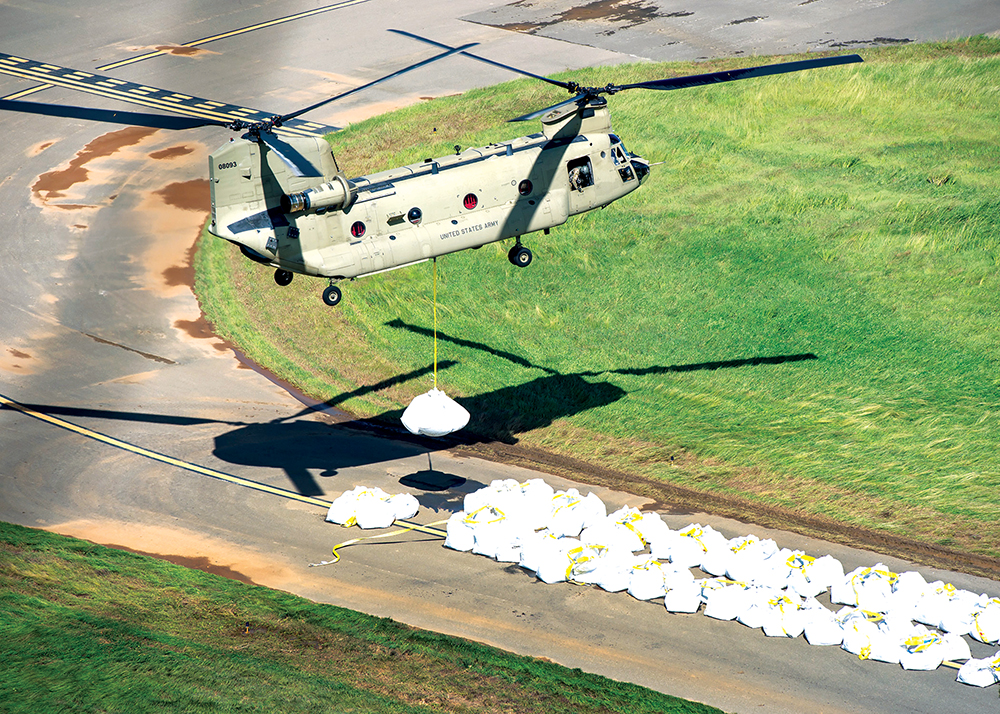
627,13
182,50
19,354
182,274
190,195
172,153
52,184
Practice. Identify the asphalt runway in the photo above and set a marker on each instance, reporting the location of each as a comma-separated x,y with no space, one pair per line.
100,331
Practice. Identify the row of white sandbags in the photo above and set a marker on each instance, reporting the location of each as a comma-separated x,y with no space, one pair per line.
773,588
371,507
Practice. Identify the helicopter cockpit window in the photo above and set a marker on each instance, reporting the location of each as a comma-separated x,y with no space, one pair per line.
620,157
581,175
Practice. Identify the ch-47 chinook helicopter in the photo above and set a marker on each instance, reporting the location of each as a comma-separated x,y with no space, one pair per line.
285,202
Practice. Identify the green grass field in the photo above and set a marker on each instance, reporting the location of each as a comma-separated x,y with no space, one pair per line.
843,223
85,628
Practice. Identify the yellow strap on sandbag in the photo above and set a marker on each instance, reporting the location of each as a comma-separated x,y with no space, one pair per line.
471,517
410,527
695,533
746,541
865,652
920,643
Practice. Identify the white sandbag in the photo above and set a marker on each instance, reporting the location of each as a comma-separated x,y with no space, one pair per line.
684,597
786,617
553,562
687,547
907,592
434,413
986,621
748,560
571,512
980,672
370,507
614,571
729,602
822,628
873,635
374,512
460,536
947,608
404,505
647,580
718,560
810,576
922,651
865,588
534,546
759,610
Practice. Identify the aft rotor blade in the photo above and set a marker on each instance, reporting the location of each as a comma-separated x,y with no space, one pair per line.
299,164
732,75
155,121
565,85
435,58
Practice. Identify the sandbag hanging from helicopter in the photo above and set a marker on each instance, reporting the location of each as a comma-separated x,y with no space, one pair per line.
434,413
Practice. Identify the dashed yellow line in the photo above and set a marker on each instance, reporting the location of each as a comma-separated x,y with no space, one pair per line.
163,458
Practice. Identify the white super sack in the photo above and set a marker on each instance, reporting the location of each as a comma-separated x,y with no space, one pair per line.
434,413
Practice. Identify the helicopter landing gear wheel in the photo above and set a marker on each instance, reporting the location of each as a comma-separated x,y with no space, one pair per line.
332,296
519,256
283,277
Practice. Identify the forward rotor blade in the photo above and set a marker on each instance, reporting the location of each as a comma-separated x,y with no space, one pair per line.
155,121
435,58
732,75
565,85
299,164
541,112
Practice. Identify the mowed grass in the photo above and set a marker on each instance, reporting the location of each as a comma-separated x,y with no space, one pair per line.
85,628
800,307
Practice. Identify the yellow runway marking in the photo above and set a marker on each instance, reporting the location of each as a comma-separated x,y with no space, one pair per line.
163,458
188,466
140,94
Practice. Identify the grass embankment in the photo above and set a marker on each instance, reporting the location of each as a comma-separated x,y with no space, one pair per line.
849,213
86,628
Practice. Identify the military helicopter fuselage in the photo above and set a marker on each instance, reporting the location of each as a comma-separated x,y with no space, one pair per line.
339,228
285,202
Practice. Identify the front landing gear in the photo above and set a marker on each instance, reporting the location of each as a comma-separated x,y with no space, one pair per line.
519,255
332,296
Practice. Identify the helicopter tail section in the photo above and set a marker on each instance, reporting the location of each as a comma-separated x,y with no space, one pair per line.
249,183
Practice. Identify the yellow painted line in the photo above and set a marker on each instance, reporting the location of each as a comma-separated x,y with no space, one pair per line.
124,445
26,92
133,95
234,33
181,96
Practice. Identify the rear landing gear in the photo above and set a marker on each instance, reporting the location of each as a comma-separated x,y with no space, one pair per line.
519,255
283,277
332,296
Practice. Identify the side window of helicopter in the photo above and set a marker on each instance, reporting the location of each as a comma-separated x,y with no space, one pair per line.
581,175
620,156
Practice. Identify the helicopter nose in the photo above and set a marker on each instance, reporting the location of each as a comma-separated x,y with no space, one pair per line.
641,167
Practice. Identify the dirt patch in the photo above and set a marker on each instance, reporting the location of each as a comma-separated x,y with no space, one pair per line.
191,195
54,184
622,13
172,153
183,50
184,547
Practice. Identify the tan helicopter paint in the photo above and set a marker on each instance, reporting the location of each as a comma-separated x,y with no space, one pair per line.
338,228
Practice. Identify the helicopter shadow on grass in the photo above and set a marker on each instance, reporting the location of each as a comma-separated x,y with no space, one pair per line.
301,447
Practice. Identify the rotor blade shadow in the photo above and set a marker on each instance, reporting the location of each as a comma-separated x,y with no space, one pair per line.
704,366
89,413
445,337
